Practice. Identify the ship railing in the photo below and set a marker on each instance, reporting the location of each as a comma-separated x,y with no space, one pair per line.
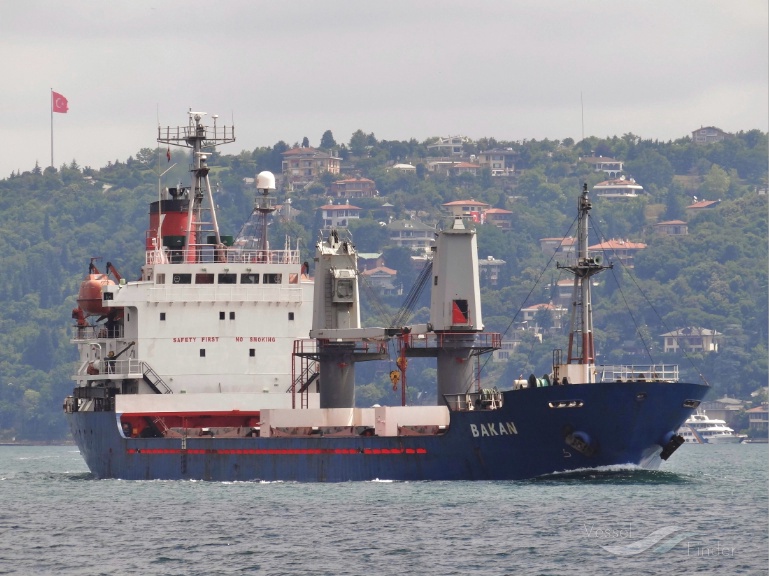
487,399
210,254
635,372
85,333
230,292
479,341
103,367
184,133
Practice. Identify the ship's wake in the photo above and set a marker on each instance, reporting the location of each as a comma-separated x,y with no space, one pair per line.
614,474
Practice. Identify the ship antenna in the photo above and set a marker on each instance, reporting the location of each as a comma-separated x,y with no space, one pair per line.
581,351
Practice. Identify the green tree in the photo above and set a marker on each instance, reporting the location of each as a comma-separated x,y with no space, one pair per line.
651,167
327,141
716,183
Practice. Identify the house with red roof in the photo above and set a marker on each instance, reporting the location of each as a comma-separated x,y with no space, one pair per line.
383,279
565,246
701,205
622,250
467,209
353,188
500,218
758,420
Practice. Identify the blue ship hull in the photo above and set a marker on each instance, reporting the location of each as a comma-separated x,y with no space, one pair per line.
532,434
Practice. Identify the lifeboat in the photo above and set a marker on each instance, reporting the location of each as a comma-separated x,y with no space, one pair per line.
89,295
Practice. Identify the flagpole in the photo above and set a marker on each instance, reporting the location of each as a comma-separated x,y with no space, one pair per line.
51,105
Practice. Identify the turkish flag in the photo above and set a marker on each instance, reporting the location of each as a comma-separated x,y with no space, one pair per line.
59,103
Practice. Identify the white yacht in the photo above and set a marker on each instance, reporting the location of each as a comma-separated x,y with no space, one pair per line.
699,428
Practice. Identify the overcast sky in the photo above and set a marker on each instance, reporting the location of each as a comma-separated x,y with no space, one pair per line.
511,69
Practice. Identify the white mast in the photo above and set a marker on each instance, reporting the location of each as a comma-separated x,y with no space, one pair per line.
581,353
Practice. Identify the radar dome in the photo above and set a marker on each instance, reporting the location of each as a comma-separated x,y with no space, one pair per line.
265,181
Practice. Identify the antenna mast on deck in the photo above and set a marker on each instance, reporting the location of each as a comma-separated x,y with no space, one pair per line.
581,353
200,139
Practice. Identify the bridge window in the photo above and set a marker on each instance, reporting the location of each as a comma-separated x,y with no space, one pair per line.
249,278
204,278
273,278
182,279
228,278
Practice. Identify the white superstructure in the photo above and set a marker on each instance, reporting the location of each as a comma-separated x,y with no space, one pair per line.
210,314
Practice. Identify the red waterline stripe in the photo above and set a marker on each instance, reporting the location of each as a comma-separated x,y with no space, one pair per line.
279,451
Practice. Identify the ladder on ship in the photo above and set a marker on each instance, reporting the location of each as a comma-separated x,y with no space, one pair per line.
304,371
154,381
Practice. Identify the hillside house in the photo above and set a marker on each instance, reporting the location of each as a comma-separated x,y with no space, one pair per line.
501,161
672,228
406,168
302,166
622,250
618,188
562,292
701,205
450,146
556,313
506,350
758,419
708,135
412,234
466,209
489,269
454,168
691,340
726,409
383,280
499,217
338,215
610,166
353,188
369,260
559,246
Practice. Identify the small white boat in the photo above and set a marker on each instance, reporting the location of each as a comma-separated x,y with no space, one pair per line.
699,428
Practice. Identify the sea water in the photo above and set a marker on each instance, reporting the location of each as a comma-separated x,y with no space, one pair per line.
704,512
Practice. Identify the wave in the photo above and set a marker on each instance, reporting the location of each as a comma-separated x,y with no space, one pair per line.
614,474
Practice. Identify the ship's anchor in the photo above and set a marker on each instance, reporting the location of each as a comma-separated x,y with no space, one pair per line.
580,441
671,446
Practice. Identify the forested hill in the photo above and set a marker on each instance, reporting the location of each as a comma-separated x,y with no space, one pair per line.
55,219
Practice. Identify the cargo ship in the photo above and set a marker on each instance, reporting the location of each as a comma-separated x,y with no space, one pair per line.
231,358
